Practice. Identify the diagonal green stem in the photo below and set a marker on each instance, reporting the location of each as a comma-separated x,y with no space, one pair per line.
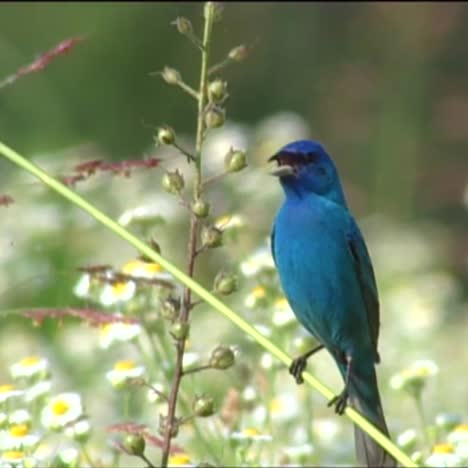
201,292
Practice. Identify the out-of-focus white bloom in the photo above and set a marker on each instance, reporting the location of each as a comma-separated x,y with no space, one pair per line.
266,361
282,313
69,457
143,214
443,455
284,407
149,270
117,292
190,359
259,260
18,436
62,410
118,331
79,431
229,221
249,394
38,390
264,330
299,451
407,439
153,396
255,297
448,421
12,458
251,434
413,378
459,434
326,430
8,391
29,367
278,130
218,143
123,371
19,416
83,287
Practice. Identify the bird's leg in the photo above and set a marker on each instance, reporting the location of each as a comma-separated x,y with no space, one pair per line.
299,364
340,401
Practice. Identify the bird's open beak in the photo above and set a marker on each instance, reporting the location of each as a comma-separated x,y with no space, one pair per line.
281,171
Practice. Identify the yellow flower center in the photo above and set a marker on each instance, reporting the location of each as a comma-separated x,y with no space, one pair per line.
259,292
124,365
19,430
222,221
119,287
60,407
179,459
443,448
276,406
6,388
29,361
251,432
461,428
281,303
134,265
13,455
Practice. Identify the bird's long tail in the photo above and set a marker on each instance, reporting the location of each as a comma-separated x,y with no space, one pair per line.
364,397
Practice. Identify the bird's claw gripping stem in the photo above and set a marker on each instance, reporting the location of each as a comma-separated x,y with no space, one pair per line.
299,364
340,402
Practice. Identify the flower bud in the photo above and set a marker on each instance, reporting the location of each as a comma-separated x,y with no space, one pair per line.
211,237
225,283
235,160
183,25
170,309
180,330
201,208
217,90
134,444
222,357
173,182
170,75
214,8
214,117
165,135
203,406
239,53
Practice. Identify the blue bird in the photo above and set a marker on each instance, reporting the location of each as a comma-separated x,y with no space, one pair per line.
327,276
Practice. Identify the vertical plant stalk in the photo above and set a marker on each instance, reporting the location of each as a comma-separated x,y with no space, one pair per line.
192,243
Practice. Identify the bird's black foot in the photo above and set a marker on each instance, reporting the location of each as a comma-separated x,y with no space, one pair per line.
339,402
299,364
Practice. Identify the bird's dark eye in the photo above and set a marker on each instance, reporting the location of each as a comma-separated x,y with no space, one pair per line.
311,157
294,159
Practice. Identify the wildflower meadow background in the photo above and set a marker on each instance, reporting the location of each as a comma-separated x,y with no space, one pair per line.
97,342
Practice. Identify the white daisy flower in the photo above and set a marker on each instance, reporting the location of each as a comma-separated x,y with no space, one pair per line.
62,410
459,434
249,394
118,331
19,416
79,430
123,371
326,430
8,391
38,390
251,434
142,214
29,367
179,459
117,292
18,436
284,407
229,221
149,270
255,297
282,313
12,458
413,378
83,287
261,259
443,455
69,456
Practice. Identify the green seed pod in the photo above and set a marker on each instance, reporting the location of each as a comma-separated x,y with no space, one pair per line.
165,136
239,53
214,117
180,330
173,182
183,25
211,237
170,75
134,444
201,208
222,357
235,160
217,90
225,283
203,406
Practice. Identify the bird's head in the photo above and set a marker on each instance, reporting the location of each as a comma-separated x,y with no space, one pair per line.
304,167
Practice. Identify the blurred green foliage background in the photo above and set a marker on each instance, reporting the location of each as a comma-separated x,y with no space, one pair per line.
383,86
